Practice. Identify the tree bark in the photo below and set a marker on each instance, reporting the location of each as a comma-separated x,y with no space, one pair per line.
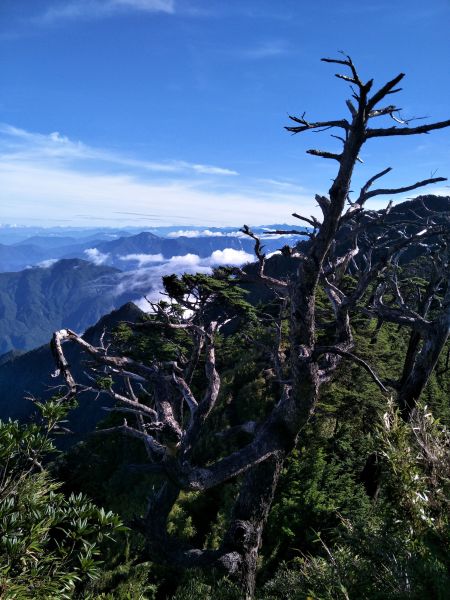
419,375
249,516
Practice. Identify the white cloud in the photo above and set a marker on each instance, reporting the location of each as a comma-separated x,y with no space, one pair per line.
95,9
195,233
34,192
50,177
188,261
46,264
146,281
269,49
95,256
229,256
19,145
278,236
143,259
143,304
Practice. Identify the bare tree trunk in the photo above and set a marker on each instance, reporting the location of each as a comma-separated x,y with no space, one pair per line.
419,375
419,364
249,517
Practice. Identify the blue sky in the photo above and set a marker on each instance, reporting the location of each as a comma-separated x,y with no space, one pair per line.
154,112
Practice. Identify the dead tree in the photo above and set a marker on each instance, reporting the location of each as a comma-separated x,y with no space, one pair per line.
347,240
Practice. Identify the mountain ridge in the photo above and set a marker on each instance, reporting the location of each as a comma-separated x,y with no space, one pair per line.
36,301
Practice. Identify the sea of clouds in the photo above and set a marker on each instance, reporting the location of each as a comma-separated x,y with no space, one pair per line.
145,280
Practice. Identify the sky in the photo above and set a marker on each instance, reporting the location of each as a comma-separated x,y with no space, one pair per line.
172,112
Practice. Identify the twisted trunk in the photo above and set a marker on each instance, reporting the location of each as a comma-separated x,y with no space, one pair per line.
249,516
420,371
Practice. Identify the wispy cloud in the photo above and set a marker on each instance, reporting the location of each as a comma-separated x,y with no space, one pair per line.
283,185
268,49
142,259
195,233
95,9
46,264
38,193
21,144
50,177
95,256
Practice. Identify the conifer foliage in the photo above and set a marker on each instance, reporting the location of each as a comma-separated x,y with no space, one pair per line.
50,542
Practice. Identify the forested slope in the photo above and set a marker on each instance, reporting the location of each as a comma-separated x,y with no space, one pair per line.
32,302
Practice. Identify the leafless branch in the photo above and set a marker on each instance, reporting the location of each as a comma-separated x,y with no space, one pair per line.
390,131
311,220
384,91
260,255
204,408
247,427
135,433
368,184
187,394
306,126
359,361
324,154
406,188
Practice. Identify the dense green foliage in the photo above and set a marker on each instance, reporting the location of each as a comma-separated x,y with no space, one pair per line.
50,542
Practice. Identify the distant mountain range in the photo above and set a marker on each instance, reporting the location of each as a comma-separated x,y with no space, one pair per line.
121,250
48,281
14,234
75,293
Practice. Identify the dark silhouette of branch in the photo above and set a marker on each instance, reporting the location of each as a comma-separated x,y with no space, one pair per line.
406,188
390,131
356,359
324,154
